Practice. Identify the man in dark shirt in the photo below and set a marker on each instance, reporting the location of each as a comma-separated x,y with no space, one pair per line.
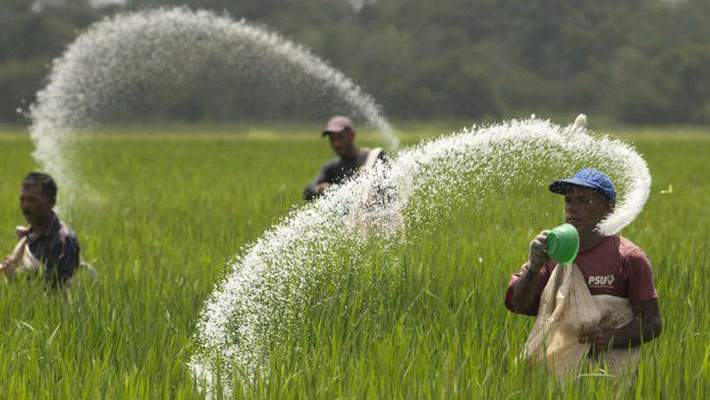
351,158
48,244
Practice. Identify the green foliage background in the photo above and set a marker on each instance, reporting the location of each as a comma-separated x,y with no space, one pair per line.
171,209
638,61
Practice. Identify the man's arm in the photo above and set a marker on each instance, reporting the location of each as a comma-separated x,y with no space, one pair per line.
645,327
8,265
5,265
319,184
525,290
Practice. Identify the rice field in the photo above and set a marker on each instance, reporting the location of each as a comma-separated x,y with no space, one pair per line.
171,208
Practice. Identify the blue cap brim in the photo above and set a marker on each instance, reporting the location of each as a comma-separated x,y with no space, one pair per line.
563,185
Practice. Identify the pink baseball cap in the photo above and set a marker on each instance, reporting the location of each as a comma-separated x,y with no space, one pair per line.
338,123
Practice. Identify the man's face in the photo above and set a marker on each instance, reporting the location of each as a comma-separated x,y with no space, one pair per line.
341,142
585,208
35,205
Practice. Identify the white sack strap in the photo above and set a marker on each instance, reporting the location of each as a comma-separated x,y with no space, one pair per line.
22,258
372,157
29,261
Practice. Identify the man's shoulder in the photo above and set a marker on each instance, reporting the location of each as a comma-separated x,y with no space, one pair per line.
378,150
370,156
627,248
66,233
331,164
618,248
632,256
381,154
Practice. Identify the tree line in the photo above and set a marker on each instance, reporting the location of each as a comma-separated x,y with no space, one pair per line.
637,61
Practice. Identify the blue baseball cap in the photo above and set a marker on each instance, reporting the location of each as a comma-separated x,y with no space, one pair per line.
588,178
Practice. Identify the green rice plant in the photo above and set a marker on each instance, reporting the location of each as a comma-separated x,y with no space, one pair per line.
426,320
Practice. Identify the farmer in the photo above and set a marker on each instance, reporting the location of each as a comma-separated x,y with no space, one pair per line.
48,245
351,158
611,265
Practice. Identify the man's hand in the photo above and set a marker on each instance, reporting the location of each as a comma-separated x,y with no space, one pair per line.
538,251
599,339
6,266
21,231
525,292
322,187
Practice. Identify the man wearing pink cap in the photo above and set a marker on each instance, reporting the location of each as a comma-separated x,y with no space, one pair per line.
351,158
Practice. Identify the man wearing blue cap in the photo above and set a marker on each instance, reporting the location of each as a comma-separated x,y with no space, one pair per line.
611,265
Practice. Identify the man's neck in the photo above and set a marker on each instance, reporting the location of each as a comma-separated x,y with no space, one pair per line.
352,154
41,227
588,240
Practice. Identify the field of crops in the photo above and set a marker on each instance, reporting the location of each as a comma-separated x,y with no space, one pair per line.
169,210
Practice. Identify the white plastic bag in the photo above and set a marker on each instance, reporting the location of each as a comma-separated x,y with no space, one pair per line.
567,310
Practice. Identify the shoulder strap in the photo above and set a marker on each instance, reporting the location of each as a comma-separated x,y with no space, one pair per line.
29,261
372,157
18,253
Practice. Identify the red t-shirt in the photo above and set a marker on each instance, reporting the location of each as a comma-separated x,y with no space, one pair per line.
615,266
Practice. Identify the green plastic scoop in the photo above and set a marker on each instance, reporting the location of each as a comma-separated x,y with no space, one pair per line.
563,244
